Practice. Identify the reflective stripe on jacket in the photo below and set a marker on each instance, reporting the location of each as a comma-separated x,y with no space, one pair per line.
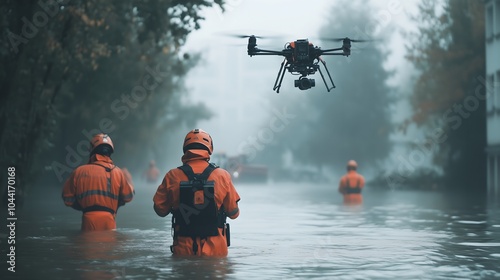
97,186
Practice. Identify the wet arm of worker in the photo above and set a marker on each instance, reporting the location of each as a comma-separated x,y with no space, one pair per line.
342,186
126,191
162,198
230,202
69,193
361,181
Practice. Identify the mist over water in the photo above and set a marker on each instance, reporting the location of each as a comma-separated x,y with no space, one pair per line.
284,231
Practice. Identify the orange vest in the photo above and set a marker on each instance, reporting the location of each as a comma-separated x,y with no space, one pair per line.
351,185
167,199
98,189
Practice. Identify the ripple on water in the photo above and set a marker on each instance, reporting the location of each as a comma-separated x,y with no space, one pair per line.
471,222
480,244
295,239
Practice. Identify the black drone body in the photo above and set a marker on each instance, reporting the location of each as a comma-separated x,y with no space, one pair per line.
302,58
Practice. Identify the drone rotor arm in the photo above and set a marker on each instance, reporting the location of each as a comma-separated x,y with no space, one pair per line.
257,51
253,50
331,50
336,51
343,54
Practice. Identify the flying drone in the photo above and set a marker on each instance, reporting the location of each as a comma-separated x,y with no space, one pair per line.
302,58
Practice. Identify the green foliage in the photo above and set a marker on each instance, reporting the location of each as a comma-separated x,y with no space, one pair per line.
448,51
93,65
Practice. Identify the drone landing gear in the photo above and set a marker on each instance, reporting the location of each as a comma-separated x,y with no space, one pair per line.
329,76
281,74
303,82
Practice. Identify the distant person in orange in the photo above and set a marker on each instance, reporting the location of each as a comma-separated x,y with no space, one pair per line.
98,188
200,195
351,184
152,173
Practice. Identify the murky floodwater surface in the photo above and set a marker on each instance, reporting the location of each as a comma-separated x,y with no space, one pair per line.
284,231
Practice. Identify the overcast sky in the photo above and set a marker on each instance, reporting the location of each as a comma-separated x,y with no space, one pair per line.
239,88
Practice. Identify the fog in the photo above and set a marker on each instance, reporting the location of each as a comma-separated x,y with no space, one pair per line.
238,88
379,113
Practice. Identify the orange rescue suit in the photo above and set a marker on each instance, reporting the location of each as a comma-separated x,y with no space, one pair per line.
97,189
167,197
351,185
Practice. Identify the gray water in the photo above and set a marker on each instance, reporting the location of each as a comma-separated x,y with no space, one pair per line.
297,231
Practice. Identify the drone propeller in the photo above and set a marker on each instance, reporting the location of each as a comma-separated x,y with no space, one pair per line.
242,36
348,39
245,36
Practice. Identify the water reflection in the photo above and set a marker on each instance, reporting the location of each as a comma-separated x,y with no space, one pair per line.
199,268
284,232
95,251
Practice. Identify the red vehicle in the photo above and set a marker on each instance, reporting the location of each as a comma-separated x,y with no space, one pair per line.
240,169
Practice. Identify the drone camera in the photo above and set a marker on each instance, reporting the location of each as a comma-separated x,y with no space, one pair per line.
304,83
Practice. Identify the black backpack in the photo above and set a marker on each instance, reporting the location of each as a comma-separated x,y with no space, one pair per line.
197,215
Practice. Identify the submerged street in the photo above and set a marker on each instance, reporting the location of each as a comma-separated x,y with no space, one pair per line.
285,231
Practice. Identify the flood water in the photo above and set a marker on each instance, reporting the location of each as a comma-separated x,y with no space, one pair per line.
285,231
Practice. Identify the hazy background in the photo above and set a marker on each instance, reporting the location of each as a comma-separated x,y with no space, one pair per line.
146,73
238,82
239,88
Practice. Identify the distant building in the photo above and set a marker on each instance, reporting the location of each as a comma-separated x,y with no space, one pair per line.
492,10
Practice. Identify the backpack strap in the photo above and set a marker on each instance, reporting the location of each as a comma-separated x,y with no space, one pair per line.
356,189
206,173
188,170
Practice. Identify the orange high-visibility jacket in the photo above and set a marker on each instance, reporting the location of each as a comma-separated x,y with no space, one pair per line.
351,185
167,197
98,189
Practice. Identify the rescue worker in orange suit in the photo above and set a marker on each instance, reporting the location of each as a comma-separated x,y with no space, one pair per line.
152,173
351,184
98,188
200,196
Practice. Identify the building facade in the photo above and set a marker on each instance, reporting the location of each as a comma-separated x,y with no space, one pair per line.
492,26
